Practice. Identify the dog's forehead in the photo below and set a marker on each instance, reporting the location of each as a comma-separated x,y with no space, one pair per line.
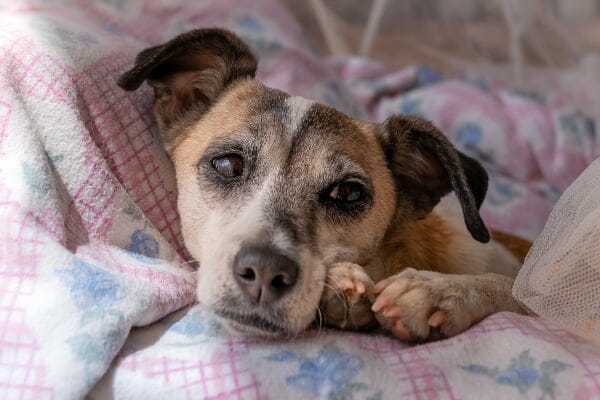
307,128
297,108
285,130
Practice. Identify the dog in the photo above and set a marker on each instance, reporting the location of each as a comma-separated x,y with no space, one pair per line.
298,213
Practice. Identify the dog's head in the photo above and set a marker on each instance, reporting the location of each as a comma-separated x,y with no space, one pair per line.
275,188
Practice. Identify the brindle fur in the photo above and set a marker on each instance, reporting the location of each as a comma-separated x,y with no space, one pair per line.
435,270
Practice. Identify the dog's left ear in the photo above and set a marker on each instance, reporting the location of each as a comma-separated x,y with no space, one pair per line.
426,166
189,72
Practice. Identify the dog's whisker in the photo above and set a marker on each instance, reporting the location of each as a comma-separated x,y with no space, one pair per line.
320,314
188,262
319,318
334,289
340,296
321,321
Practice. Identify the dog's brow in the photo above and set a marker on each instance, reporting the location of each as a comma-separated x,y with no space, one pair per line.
298,107
344,166
235,142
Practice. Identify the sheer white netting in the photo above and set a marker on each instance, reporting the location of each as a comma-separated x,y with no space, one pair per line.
560,279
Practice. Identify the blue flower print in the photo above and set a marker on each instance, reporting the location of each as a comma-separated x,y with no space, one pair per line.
331,372
480,83
190,324
580,129
523,374
501,191
537,97
469,135
427,75
144,259
143,244
410,106
330,369
250,24
91,286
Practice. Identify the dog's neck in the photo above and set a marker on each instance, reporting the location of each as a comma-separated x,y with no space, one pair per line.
418,243
442,243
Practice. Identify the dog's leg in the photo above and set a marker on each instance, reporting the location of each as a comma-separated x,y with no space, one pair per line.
426,305
347,298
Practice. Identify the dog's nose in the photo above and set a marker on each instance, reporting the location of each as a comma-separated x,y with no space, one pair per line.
263,273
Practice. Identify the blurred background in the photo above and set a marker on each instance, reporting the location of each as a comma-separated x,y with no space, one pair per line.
523,43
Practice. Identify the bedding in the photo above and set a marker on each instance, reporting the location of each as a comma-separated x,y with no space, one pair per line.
96,288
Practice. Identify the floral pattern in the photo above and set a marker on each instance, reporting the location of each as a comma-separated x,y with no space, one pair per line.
331,374
91,286
580,128
102,327
426,75
143,244
410,106
524,374
191,324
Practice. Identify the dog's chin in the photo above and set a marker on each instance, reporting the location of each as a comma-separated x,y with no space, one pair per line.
252,326
238,329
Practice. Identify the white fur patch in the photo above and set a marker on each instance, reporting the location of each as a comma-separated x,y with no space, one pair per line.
298,106
470,256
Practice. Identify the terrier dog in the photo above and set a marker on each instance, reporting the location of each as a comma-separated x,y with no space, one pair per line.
293,209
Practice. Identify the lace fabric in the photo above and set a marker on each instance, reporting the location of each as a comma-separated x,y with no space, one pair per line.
560,279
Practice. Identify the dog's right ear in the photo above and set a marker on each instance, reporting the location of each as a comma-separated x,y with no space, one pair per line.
189,72
426,166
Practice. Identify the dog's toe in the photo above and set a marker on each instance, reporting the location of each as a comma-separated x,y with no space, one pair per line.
346,300
421,306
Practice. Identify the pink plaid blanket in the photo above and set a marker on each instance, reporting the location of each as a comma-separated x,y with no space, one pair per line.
92,265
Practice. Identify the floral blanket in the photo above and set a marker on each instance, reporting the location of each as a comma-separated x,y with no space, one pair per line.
93,268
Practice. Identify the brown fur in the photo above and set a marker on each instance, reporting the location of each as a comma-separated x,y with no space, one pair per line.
433,279
424,243
427,243
516,245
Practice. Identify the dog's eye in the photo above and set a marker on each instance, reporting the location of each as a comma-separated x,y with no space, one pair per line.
229,166
347,192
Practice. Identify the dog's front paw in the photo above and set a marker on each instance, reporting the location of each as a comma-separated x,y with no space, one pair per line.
423,305
347,298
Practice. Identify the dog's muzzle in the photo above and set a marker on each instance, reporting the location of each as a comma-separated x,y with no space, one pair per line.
264,275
